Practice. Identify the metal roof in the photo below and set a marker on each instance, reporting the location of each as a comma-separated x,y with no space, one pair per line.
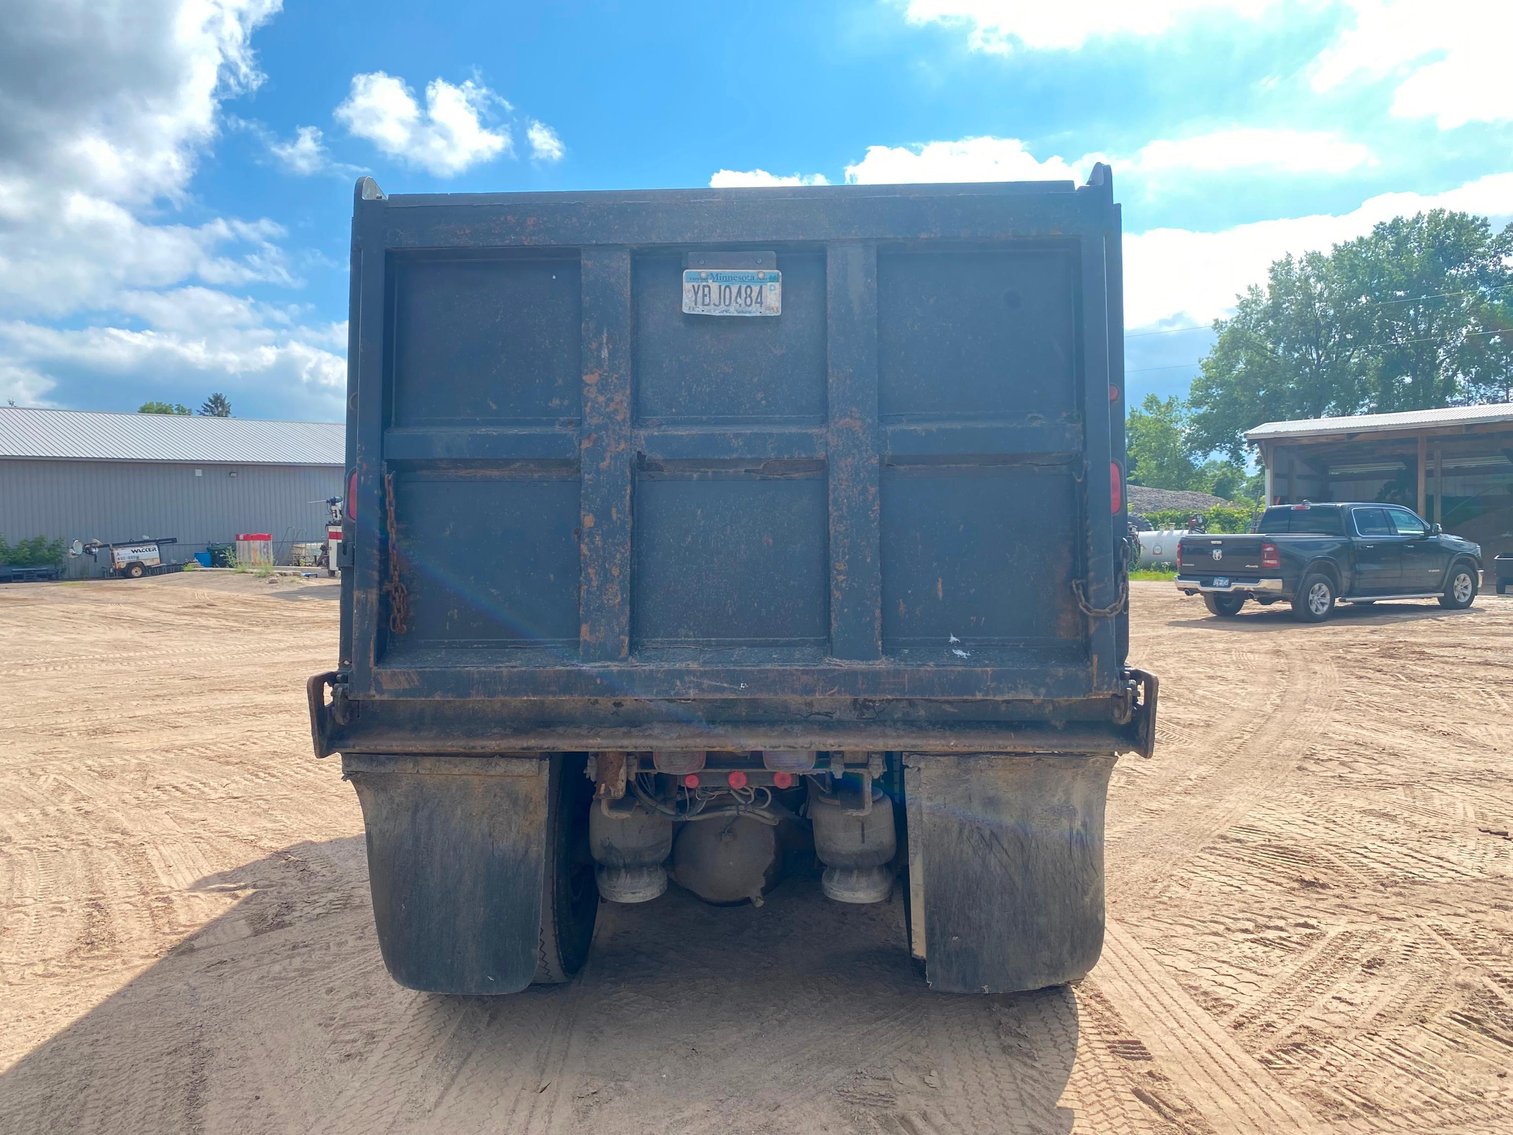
1448,416
88,435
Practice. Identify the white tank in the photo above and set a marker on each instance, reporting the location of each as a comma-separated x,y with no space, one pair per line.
1159,546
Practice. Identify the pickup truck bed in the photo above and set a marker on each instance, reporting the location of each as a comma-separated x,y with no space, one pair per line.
1313,555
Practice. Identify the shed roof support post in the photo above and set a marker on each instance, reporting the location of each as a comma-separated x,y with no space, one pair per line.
1439,483
1423,460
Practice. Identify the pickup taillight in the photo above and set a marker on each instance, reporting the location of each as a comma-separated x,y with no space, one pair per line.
1270,557
1179,555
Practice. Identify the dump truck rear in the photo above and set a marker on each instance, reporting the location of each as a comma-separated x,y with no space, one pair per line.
694,536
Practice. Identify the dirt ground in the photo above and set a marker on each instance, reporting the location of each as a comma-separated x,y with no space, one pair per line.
1309,901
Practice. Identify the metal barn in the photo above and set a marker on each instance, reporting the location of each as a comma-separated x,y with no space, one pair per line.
1454,466
84,475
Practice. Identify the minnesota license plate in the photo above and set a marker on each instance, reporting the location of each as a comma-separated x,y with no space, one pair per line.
732,291
1221,581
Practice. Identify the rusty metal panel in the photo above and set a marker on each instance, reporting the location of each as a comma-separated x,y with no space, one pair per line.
897,487
487,342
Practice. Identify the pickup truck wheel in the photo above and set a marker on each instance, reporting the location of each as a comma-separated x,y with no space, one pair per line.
1314,601
1224,606
569,895
1460,591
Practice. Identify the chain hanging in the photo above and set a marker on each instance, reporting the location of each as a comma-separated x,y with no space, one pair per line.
1102,612
1127,555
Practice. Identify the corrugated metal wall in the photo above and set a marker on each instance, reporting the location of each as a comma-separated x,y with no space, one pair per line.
199,504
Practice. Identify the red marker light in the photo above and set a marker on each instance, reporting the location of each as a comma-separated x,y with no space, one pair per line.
1115,489
352,495
691,780
1113,393
783,779
737,779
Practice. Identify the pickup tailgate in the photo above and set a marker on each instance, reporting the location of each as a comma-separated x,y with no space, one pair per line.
1208,557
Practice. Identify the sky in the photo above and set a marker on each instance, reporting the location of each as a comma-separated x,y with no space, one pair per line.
176,175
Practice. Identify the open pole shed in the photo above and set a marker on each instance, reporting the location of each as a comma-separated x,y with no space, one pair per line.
1454,466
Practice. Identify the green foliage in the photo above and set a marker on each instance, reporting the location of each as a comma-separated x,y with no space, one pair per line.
216,406
163,408
38,551
1412,316
1158,453
1153,573
1161,454
1219,518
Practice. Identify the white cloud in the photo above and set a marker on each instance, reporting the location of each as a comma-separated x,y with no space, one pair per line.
1010,159
546,146
761,179
970,159
98,127
1000,26
117,99
1449,58
1180,276
304,154
100,133
194,339
74,254
449,135
1286,151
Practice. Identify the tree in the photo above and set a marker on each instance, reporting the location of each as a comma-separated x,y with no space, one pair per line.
162,408
1291,350
1158,453
1162,455
1411,316
216,406
1431,287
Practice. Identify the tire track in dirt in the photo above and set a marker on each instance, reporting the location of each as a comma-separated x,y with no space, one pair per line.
1228,1086
1261,746
1313,945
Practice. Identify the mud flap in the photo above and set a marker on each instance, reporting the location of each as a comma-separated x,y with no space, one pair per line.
456,855
1005,856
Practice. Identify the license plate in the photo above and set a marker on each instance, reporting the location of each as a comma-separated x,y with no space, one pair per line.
1221,581
732,291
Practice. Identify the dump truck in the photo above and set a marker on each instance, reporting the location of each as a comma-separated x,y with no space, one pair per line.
694,536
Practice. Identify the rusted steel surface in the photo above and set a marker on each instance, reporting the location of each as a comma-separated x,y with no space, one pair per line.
570,489
609,775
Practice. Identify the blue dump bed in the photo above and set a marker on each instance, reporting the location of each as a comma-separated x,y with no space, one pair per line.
614,490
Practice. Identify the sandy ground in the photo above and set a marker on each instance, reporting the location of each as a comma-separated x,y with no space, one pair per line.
1309,897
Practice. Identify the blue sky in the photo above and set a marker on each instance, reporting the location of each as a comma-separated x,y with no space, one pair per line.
175,175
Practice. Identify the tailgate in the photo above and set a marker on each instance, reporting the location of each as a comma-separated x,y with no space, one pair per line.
889,481
1206,557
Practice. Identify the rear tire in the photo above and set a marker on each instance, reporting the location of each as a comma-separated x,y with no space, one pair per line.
1224,606
1314,601
1460,589
134,571
569,895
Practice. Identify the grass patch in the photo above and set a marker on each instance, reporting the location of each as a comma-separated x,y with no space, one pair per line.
1154,573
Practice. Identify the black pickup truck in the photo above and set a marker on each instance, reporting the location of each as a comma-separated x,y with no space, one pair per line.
1312,555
